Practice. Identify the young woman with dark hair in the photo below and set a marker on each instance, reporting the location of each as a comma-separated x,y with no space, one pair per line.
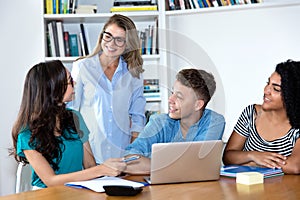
267,135
51,138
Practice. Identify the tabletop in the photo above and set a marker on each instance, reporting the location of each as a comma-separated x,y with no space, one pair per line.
280,187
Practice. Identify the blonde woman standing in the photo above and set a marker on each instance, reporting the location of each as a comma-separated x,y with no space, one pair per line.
109,89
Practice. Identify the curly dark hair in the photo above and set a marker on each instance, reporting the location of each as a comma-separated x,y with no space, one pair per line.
202,82
43,112
289,72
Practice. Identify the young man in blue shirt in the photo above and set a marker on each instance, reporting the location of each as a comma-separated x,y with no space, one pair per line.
187,120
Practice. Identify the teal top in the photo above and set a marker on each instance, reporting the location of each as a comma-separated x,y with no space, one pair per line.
72,154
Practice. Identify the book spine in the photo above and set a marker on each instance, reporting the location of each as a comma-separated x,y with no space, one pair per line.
73,45
132,8
54,27
149,40
49,51
84,38
49,7
51,36
182,5
60,38
172,4
193,6
66,43
65,6
196,3
154,38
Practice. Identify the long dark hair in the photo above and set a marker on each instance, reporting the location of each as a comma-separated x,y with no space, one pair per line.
289,72
43,112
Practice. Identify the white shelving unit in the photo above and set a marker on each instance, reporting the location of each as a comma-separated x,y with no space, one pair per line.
162,66
93,24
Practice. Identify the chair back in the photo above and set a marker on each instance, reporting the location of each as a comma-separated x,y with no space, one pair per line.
23,180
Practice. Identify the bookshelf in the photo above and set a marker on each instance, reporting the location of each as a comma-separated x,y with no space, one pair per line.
93,24
168,61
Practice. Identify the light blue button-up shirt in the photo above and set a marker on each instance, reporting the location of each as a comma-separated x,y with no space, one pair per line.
111,109
162,129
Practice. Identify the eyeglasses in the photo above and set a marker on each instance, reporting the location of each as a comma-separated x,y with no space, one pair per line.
119,41
71,81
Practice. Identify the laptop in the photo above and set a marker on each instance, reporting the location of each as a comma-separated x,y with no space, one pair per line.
185,162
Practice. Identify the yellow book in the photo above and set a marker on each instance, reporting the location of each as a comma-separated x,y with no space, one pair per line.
49,7
133,8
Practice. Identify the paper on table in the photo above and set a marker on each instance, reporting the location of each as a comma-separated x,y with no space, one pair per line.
98,183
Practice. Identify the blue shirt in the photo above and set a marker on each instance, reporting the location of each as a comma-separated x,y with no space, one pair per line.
111,109
162,129
72,154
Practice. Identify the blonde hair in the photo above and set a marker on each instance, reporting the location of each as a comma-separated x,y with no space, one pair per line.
132,54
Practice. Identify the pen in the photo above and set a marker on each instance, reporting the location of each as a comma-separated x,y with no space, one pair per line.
131,158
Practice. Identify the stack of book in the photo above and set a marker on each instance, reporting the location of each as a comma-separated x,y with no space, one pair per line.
149,40
233,170
61,43
151,90
134,5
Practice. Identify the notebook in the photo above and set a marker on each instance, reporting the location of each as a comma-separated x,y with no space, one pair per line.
98,183
232,170
185,162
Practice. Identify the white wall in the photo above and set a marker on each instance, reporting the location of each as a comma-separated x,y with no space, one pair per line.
21,47
242,46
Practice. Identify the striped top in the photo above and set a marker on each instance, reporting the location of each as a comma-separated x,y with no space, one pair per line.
246,127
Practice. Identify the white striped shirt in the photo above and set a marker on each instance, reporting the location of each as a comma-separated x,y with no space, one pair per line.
246,127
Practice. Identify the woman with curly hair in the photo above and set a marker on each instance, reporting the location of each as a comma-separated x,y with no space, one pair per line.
267,135
109,89
51,138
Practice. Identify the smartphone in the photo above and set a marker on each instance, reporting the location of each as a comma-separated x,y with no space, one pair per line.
131,158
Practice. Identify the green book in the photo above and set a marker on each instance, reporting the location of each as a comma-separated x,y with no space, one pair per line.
73,42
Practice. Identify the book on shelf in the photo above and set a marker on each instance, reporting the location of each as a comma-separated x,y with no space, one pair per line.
215,3
152,90
131,8
86,9
188,4
196,4
232,170
182,4
66,43
49,6
142,37
60,38
134,2
155,38
49,51
151,85
73,42
149,39
53,38
97,184
152,96
83,36
60,6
